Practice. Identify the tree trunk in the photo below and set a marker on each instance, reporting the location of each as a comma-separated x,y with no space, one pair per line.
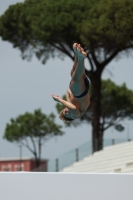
38,157
101,138
39,150
37,164
37,160
95,101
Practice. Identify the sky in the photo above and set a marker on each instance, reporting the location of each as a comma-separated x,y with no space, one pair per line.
26,86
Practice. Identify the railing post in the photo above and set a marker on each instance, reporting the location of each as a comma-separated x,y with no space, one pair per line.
77,155
57,164
113,141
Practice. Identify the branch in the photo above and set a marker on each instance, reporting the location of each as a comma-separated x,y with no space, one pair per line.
109,59
87,118
109,125
26,145
91,64
46,139
63,49
34,146
39,147
94,58
114,54
127,47
113,122
66,51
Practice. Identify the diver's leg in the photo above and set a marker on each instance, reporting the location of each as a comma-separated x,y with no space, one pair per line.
74,66
80,68
77,85
75,45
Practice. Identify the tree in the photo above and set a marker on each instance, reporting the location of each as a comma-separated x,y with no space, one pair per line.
116,105
49,28
35,127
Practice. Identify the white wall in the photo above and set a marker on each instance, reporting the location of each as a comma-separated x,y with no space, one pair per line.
60,186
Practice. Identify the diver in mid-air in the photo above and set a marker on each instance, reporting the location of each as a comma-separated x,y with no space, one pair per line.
77,95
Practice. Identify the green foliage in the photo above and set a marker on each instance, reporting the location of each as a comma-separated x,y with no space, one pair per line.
38,25
49,28
117,101
108,24
116,105
119,127
59,106
35,125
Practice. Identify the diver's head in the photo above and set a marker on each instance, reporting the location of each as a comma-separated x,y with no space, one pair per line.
64,115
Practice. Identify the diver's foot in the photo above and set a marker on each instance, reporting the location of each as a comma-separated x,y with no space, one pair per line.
79,51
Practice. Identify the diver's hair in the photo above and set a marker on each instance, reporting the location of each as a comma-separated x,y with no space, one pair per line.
63,118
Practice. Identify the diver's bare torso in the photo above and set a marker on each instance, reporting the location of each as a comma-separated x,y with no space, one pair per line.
80,103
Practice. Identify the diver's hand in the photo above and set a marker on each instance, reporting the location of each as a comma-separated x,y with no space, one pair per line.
56,98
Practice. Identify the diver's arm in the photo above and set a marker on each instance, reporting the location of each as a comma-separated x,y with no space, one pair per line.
65,103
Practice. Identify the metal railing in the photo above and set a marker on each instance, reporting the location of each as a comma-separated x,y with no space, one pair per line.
77,154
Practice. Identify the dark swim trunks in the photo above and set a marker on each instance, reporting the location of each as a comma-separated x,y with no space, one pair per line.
82,95
86,90
69,119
